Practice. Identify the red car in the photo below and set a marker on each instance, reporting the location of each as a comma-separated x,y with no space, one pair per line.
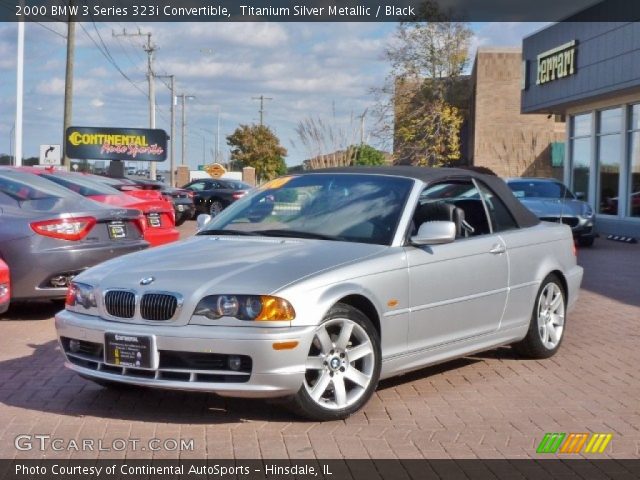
159,226
5,287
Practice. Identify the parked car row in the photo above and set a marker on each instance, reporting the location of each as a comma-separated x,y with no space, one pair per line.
56,224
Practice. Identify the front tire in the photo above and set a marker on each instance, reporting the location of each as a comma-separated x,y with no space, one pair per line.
546,329
343,366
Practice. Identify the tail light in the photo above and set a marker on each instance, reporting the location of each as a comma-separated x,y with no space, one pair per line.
65,228
575,250
141,223
190,193
5,289
237,195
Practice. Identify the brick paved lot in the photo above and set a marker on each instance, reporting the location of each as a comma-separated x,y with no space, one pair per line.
491,405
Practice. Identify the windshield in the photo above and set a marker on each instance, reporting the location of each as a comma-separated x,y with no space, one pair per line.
347,207
82,185
539,189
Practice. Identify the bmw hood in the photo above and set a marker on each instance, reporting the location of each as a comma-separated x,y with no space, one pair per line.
205,265
554,207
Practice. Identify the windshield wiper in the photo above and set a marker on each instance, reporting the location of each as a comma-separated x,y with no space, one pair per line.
299,234
229,232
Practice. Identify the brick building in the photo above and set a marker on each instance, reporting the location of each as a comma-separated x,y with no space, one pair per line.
500,137
494,133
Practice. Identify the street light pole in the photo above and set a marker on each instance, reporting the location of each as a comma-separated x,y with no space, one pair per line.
11,133
19,93
184,97
218,137
172,150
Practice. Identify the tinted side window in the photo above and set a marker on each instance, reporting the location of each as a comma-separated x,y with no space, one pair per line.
198,186
501,218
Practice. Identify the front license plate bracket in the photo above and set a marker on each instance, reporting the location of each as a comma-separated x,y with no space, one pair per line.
134,351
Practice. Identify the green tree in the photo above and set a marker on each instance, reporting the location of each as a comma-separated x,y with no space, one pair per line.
367,155
258,147
423,102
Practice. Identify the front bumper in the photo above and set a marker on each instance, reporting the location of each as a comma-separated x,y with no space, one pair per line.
273,373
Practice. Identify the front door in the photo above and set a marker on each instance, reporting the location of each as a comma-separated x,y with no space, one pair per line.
457,290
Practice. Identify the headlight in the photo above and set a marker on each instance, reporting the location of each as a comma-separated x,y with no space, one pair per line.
587,211
245,307
80,295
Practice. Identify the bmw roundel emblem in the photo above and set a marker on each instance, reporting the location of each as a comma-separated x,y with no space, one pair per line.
147,281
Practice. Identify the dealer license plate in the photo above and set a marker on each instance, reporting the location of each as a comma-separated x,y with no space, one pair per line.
117,230
129,350
154,220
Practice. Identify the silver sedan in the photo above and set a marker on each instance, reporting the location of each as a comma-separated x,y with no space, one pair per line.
315,286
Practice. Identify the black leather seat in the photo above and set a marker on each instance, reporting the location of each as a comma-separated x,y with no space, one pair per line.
475,215
439,211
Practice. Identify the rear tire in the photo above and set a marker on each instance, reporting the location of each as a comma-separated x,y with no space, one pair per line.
215,207
546,328
180,219
343,366
586,241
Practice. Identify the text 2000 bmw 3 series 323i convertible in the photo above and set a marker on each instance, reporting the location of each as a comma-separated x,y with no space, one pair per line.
314,287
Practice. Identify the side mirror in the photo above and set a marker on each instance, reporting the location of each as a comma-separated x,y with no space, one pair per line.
580,195
435,233
202,220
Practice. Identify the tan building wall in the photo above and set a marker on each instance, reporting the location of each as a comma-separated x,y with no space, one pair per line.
503,139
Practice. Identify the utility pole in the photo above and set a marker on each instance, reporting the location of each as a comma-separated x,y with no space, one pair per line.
172,150
218,137
184,97
262,98
68,87
149,48
362,125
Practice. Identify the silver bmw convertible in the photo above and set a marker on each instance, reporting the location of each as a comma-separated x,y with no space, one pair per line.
315,286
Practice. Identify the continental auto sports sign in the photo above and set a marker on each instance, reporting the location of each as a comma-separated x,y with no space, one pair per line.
130,144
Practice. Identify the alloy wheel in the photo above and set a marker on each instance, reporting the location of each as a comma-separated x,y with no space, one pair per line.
551,315
340,364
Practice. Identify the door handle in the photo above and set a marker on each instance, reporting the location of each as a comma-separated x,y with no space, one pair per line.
497,249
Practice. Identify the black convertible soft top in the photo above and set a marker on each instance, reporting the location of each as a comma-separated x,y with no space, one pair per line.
522,215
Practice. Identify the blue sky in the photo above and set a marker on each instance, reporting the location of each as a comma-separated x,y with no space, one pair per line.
321,70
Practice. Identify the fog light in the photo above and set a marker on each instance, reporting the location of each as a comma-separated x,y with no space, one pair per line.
59,281
74,345
235,363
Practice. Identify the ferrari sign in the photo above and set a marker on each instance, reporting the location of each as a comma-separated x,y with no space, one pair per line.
215,170
130,144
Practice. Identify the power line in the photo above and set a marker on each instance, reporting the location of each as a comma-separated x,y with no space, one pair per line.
61,35
112,61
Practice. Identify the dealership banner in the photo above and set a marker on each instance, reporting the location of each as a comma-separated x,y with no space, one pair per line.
130,144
